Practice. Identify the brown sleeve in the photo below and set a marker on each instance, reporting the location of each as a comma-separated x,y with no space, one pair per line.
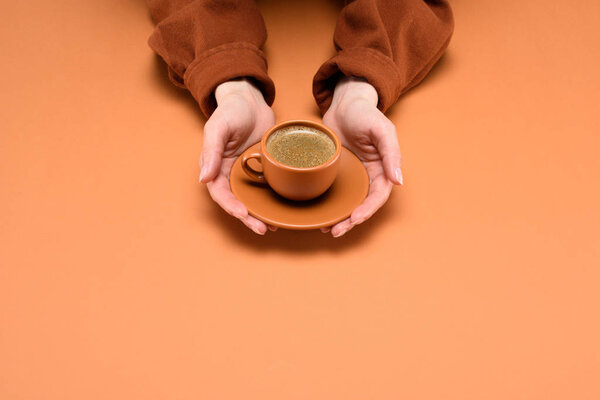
208,42
391,43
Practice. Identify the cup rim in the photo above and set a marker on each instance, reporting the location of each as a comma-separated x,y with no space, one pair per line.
311,124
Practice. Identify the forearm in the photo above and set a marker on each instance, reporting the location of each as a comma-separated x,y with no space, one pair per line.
207,42
241,86
391,43
350,88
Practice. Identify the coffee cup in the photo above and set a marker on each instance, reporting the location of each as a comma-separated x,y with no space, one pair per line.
299,158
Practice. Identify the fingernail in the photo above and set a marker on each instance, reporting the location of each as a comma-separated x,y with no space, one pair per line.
202,174
399,176
338,234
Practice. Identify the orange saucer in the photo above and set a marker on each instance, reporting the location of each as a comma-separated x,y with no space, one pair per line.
337,203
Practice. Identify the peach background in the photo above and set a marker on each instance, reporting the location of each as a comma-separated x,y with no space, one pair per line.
120,279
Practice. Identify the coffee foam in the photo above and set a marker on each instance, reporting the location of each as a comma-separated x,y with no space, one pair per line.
302,154
296,128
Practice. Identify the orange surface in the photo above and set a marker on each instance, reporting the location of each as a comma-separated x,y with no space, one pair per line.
120,279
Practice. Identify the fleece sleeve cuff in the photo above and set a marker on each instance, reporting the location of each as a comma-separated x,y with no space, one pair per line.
223,63
361,62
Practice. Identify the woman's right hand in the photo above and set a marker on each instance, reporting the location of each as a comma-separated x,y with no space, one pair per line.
241,118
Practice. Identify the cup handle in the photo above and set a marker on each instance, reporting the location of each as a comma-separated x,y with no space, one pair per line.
251,172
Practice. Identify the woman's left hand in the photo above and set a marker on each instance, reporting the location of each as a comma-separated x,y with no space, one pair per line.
371,136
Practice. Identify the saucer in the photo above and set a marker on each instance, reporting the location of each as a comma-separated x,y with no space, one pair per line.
348,191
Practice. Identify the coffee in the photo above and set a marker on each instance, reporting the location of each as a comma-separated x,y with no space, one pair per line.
300,146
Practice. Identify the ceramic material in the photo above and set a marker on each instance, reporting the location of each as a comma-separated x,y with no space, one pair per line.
292,182
347,191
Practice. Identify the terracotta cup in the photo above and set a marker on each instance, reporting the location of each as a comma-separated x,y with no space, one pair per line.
292,182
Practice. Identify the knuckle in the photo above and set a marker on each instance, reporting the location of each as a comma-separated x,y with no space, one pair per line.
386,126
213,127
209,126
389,126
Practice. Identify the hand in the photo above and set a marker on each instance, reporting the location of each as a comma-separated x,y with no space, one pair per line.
239,121
362,128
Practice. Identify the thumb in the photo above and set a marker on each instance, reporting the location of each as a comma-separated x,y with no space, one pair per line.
386,142
213,145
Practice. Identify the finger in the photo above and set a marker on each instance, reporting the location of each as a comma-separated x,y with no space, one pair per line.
254,224
227,201
326,229
213,145
341,228
271,228
379,192
386,141
220,192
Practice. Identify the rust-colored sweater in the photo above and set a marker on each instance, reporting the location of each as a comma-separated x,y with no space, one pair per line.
391,43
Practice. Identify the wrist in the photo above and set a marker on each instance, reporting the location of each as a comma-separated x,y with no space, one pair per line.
238,87
350,88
